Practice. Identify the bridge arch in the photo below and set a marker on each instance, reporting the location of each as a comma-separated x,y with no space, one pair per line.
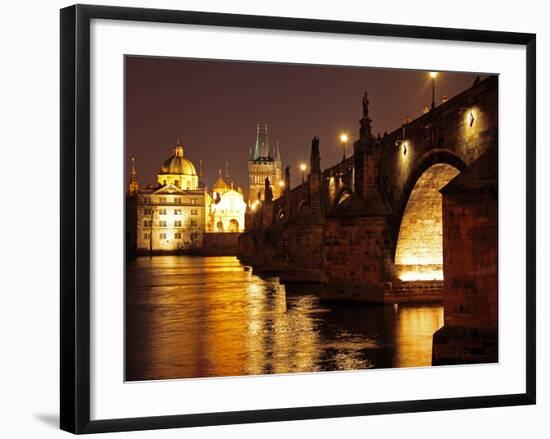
417,235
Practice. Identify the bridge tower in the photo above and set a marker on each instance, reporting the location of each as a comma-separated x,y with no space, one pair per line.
264,163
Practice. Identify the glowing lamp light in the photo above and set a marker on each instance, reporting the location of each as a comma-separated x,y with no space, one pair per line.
303,167
344,138
281,184
433,75
471,118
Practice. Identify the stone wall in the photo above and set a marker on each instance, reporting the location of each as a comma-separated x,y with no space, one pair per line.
357,258
221,244
303,248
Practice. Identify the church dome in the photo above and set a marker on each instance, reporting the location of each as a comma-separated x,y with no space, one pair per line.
220,185
178,164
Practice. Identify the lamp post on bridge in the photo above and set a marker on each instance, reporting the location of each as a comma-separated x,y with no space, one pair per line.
344,138
433,76
303,168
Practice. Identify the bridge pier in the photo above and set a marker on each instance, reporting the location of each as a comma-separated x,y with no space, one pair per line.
470,243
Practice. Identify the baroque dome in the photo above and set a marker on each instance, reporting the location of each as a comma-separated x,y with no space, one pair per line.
220,185
177,164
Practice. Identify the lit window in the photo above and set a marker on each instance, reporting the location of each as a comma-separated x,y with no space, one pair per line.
177,211
162,223
177,200
177,223
193,201
162,211
163,236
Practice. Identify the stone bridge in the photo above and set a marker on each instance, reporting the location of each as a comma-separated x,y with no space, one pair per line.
376,227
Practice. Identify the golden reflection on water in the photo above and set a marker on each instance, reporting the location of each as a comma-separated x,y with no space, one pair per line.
210,316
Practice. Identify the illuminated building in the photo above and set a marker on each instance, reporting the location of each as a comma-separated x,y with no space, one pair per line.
171,216
227,207
263,163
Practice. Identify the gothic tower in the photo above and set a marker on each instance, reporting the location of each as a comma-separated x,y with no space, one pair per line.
264,163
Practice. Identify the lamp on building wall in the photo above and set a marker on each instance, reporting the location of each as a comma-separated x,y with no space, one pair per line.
469,115
402,142
471,118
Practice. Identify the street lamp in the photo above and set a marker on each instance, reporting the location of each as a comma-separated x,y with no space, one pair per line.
344,138
303,168
433,75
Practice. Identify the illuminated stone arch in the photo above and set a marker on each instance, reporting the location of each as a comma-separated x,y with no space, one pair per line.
418,253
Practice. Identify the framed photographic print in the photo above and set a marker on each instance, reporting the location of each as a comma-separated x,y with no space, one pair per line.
268,218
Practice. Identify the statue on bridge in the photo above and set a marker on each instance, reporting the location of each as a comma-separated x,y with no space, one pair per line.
287,178
365,133
366,106
268,193
315,158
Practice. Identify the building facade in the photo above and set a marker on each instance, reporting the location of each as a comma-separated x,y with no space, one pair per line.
170,216
227,208
264,163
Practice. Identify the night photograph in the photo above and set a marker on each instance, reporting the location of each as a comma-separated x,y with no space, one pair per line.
285,218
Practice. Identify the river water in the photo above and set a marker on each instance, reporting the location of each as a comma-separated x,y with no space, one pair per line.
189,317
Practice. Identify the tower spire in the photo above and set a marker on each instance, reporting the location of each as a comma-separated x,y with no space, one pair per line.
133,187
262,143
266,143
227,169
257,147
277,152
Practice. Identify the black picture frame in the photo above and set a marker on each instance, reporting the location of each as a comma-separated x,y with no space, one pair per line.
75,217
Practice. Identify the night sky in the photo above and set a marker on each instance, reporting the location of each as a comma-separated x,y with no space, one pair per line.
213,108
